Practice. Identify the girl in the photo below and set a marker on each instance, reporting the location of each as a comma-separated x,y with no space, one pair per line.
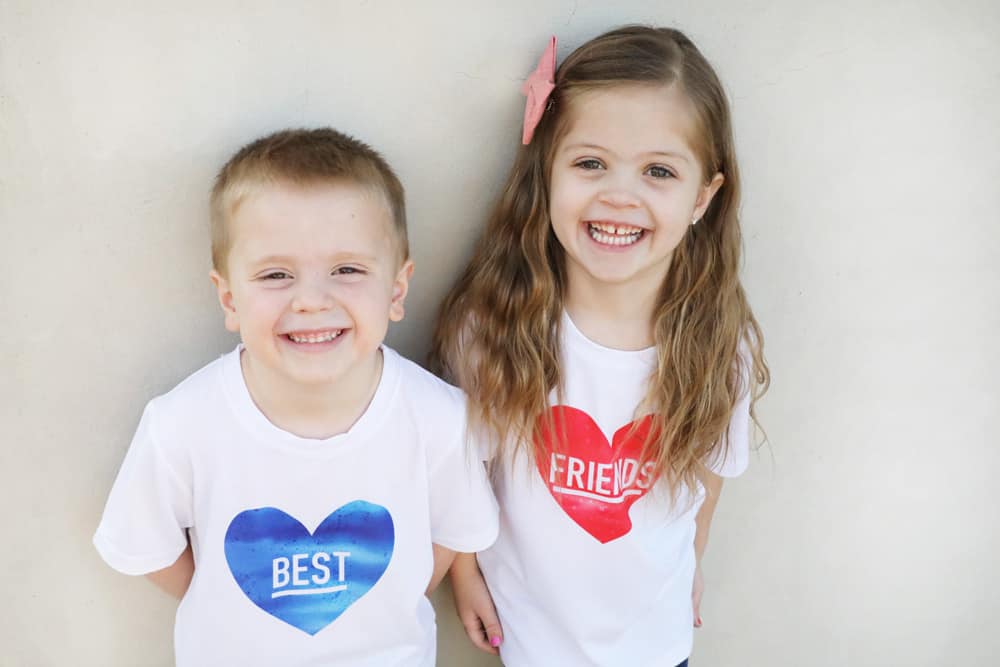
610,355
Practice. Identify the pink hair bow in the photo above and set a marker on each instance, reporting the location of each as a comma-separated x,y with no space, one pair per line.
537,89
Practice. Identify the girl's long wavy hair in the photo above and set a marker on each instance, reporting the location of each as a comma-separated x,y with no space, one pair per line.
499,328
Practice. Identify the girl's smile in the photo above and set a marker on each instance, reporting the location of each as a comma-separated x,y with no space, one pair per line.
614,234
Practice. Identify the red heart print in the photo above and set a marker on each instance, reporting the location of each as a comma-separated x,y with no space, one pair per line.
593,481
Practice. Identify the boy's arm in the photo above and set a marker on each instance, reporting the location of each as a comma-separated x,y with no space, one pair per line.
703,521
443,558
176,578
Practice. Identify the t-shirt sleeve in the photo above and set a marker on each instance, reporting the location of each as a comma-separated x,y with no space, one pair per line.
145,521
732,460
464,514
731,456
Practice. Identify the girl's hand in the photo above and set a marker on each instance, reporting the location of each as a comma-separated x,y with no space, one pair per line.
696,591
475,604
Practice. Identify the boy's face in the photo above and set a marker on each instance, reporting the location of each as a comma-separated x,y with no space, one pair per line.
313,279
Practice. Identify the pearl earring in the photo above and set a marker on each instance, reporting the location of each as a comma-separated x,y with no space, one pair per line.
694,221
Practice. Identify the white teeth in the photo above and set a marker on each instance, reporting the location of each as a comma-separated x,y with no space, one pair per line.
313,338
617,230
613,234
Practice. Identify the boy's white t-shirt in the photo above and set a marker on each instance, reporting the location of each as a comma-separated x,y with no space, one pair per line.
307,552
593,565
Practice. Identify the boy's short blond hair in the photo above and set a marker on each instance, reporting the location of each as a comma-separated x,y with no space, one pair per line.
301,158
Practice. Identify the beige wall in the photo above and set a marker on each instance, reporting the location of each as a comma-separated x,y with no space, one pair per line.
865,535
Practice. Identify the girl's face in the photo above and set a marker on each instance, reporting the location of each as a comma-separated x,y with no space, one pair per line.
625,186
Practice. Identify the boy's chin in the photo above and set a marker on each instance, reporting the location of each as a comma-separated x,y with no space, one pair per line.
360,371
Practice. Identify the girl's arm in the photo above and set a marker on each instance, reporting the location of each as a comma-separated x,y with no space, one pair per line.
703,521
443,558
475,604
175,579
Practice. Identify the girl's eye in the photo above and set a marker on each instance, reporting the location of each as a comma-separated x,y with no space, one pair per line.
589,164
658,171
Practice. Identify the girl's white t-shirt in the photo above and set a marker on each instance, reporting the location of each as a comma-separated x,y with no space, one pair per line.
594,564
307,552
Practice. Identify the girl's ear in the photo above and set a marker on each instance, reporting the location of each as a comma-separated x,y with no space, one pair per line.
400,286
226,300
705,196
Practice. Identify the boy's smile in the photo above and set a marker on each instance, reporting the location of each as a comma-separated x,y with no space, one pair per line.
314,277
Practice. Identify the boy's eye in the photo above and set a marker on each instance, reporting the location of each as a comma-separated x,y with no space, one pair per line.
347,270
589,164
276,275
659,171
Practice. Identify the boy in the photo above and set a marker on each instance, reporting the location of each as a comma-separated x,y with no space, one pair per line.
304,491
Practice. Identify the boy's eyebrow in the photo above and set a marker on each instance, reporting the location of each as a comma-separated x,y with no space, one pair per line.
337,256
672,154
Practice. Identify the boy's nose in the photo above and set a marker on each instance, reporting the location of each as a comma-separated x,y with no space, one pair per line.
311,296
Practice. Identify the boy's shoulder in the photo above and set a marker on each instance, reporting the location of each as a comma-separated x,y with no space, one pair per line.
431,411
201,391
422,388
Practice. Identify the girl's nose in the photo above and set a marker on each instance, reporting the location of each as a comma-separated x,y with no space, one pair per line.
311,296
619,195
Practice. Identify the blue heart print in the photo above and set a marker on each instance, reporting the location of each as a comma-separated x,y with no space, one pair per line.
309,580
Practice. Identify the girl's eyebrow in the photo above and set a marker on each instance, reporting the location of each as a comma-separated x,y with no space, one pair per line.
585,145
670,154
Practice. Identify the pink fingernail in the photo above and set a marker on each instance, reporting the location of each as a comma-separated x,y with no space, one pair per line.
494,642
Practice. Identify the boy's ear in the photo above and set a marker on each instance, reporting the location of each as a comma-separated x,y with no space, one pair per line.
225,300
706,194
399,288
